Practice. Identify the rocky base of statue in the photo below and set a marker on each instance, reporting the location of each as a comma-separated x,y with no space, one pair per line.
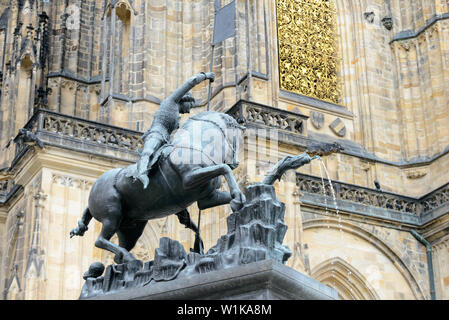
255,234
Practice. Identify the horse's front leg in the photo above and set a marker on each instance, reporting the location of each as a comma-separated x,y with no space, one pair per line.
216,198
201,176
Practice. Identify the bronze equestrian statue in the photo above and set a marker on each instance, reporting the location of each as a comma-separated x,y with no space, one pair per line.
165,121
123,201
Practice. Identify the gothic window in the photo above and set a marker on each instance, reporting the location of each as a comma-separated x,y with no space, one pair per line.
122,50
25,84
348,281
308,57
3,31
116,48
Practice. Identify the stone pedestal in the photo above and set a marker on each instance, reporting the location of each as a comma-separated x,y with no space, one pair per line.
261,280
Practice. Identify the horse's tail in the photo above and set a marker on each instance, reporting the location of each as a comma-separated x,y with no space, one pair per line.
82,224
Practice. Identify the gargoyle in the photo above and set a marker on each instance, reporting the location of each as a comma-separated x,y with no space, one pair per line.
324,149
314,151
25,136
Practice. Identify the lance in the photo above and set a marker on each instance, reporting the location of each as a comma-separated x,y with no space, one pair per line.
210,81
224,28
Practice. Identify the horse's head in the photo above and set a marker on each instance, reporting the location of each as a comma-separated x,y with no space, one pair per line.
209,138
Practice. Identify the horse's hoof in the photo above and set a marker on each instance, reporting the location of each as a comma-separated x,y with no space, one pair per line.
118,259
128,258
236,205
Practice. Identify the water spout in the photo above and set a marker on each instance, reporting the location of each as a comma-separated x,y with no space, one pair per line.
334,198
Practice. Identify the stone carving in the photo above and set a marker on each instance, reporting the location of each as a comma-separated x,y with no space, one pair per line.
369,197
5,186
84,130
365,165
323,149
406,45
317,119
25,138
369,16
71,182
278,121
388,23
338,127
416,173
436,199
245,113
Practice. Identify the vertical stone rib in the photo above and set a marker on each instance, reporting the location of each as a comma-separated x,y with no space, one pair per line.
113,20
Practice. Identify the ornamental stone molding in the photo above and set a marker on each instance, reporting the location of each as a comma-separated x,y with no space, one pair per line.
264,116
377,204
55,129
71,182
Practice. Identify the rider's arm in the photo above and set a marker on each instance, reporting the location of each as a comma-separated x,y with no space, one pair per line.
189,84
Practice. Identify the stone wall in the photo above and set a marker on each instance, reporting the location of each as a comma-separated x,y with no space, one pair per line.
392,119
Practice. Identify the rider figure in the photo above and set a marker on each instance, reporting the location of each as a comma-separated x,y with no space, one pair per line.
165,121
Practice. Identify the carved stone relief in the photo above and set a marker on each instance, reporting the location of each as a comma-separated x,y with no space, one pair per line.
338,127
317,119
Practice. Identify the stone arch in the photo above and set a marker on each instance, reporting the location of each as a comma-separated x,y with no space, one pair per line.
9,262
347,280
13,288
117,52
25,90
355,230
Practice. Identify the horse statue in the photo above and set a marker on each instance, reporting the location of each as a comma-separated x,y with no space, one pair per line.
189,169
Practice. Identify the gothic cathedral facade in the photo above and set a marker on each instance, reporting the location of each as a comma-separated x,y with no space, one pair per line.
84,77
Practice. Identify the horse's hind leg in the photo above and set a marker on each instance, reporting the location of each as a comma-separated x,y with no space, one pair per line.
129,234
110,225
